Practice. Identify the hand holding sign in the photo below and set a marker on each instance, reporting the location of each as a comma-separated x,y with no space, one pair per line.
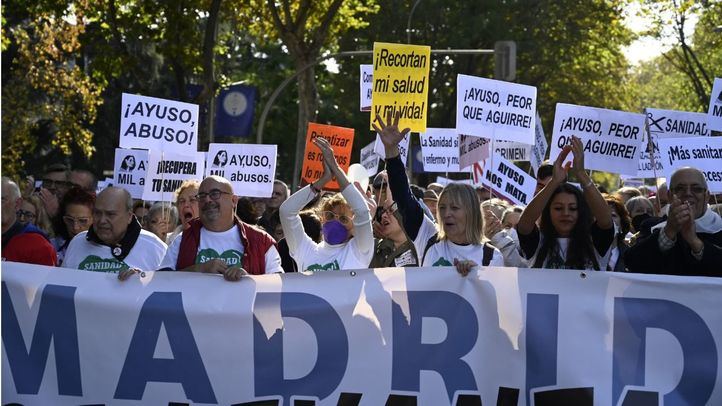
389,133
330,165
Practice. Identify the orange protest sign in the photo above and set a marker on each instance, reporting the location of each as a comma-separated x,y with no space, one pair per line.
341,140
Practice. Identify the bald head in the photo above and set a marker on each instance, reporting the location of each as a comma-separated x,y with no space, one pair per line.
10,189
217,203
689,186
11,202
220,182
112,214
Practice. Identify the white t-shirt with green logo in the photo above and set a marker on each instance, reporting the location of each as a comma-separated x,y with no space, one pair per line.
225,245
444,252
145,255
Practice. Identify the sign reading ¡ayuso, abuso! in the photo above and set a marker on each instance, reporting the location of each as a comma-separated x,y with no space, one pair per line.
130,170
612,139
250,168
498,336
158,124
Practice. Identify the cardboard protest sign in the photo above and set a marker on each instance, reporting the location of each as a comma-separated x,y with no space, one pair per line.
667,124
539,152
251,168
403,148
504,178
495,109
472,149
401,83
512,150
130,170
612,139
703,153
341,140
366,81
158,124
369,159
440,150
714,114
167,170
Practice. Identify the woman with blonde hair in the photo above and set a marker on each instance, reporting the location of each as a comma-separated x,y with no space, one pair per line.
33,211
348,240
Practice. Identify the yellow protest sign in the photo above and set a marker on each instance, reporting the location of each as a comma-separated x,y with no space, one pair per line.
401,83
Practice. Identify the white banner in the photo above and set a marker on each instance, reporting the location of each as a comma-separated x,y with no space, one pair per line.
714,114
440,150
495,109
667,124
369,159
403,148
158,124
703,153
366,83
539,152
472,149
612,139
130,170
251,168
424,335
167,171
505,178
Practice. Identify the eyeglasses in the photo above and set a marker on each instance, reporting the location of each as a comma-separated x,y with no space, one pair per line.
80,221
182,202
390,210
681,189
344,219
52,184
25,214
214,194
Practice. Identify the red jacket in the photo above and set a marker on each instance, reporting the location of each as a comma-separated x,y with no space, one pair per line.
255,245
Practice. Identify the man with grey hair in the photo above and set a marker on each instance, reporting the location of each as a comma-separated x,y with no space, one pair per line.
115,242
690,241
22,242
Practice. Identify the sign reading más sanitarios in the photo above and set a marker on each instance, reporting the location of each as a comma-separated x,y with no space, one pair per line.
370,337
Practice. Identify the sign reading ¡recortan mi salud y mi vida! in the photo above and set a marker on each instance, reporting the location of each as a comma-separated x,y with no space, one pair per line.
401,84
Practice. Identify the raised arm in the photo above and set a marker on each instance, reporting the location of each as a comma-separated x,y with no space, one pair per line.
595,200
533,211
363,232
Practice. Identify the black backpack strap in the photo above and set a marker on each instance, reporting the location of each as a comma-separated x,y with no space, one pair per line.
488,254
433,240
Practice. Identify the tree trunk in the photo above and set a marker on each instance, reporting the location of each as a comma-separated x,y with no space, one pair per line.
307,110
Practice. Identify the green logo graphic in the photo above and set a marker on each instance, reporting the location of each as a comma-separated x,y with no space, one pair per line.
441,262
332,266
230,257
98,264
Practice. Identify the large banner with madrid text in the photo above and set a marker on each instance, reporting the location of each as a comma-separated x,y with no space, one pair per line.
422,336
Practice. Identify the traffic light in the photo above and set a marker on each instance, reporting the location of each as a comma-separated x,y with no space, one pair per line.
505,60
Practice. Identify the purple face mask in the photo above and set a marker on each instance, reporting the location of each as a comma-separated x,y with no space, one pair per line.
334,232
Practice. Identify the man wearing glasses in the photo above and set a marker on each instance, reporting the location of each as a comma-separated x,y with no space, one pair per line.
690,241
219,242
115,242
22,242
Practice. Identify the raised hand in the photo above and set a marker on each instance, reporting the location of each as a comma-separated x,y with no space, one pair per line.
389,133
578,151
559,174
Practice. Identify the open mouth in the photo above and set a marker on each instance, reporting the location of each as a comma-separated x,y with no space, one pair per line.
385,223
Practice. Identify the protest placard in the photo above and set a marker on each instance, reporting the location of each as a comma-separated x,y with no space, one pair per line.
158,124
472,149
401,83
512,150
167,170
539,151
504,178
667,124
440,150
369,159
130,170
703,153
612,139
366,82
714,114
403,147
631,181
495,109
445,181
250,168
341,140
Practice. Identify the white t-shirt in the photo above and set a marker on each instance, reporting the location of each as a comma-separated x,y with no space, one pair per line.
146,254
226,245
443,253
426,231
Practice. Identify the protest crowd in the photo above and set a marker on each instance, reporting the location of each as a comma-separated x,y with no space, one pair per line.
675,230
